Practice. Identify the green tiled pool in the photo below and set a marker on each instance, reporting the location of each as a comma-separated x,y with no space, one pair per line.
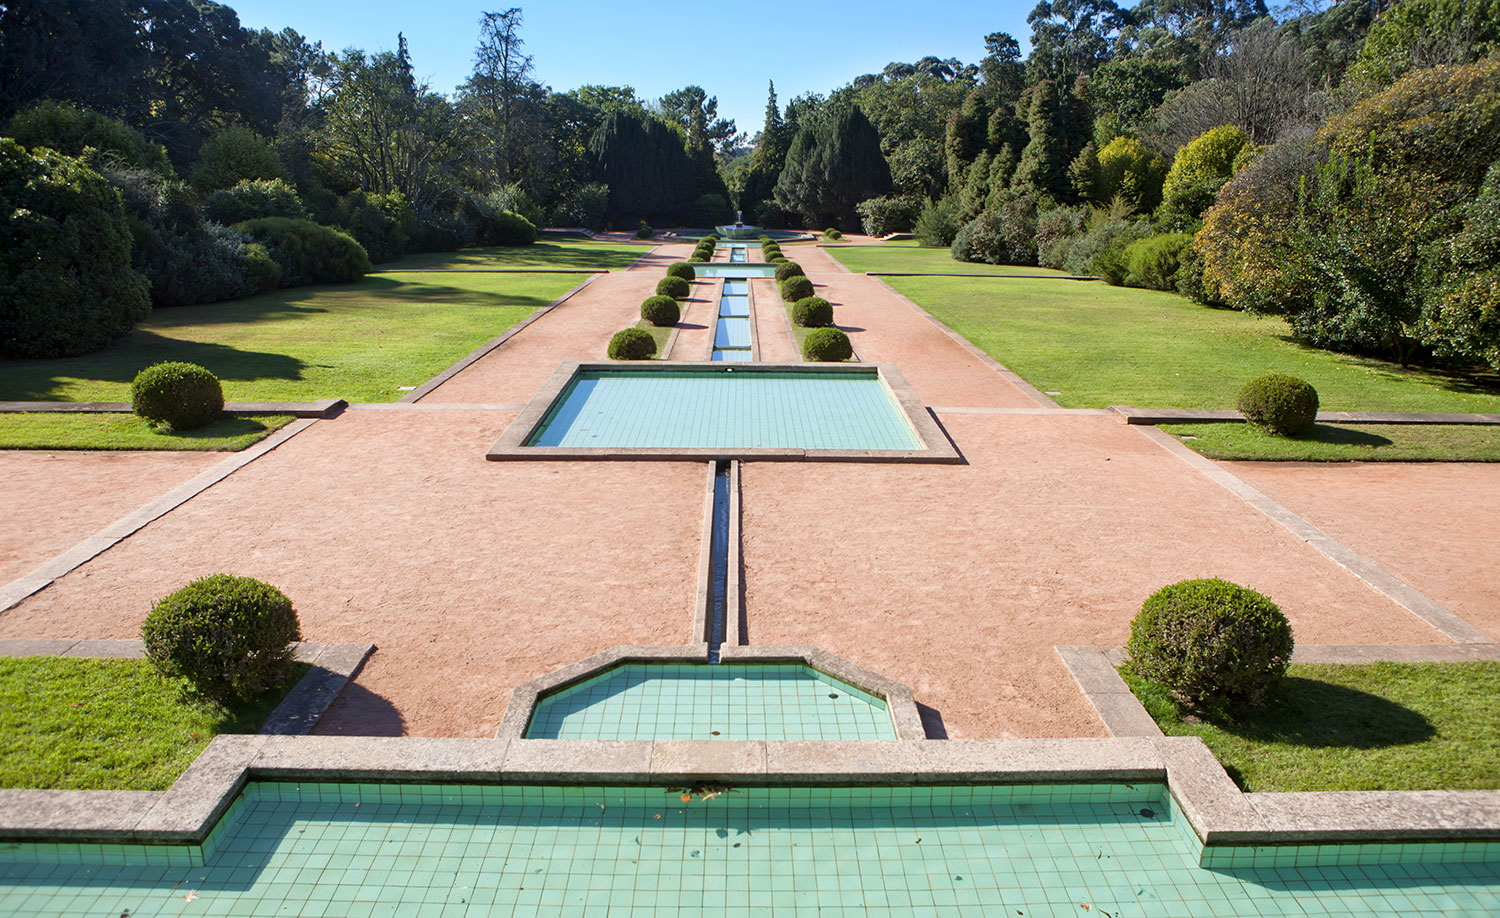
395,851
744,701
734,408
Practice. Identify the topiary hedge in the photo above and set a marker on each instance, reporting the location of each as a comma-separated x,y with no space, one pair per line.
683,270
307,252
795,288
229,636
660,311
827,344
180,396
1280,404
789,269
1218,646
832,235
632,344
674,287
771,251
812,312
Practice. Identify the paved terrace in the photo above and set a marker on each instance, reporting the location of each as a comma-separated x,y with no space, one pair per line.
387,526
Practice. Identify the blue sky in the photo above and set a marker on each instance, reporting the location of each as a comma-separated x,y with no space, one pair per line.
729,48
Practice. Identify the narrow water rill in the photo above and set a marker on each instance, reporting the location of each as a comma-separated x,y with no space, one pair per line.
733,335
718,562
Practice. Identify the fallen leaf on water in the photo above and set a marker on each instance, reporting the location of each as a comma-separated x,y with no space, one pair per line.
657,816
687,798
1085,906
191,895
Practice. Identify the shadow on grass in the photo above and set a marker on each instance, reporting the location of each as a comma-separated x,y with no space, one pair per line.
43,379
1472,382
1322,715
1344,436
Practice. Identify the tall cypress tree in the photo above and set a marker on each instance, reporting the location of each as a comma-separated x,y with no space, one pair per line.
766,162
1044,163
646,168
831,167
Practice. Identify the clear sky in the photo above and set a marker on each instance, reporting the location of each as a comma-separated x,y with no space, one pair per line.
729,47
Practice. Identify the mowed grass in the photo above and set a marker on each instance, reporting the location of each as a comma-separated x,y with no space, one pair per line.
545,253
81,724
40,430
359,341
1345,443
1096,345
1376,726
907,257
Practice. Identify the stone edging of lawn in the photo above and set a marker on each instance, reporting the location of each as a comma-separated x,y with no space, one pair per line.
324,408
39,579
1304,816
1441,619
485,348
1129,414
1035,394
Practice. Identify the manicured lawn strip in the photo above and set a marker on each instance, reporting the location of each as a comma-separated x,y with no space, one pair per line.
357,341
908,257
1099,345
1346,443
1375,726
658,334
40,430
83,724
553,253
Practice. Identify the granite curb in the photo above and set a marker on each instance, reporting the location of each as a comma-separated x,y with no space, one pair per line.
1129,414
323,408
1441,619
1223,814
484,349
41,577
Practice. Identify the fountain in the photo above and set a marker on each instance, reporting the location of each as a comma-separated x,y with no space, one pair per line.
738,230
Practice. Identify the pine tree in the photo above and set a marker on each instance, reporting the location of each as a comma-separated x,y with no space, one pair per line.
1043,169
1084,175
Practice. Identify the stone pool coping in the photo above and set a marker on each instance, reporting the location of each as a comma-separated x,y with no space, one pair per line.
1264,817
898,698
323,408
511,445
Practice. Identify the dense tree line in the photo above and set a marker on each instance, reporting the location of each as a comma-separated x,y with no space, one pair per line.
1333,163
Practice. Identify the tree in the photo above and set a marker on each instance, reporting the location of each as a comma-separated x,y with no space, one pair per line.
1130,88
1131,172
1003,73
1425,33
1199,170
384,132
697,113
646,168
1054,141
499,83
68,129
66,285
767,160
233,155
1069,38
831,167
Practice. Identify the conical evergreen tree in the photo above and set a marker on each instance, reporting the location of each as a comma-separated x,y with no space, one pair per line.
648,173
1043,169
831,167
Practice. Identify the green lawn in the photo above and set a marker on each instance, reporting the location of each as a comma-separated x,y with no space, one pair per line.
909,257
81,724
1345,442
40,430
547,253
359,341
1377,726
1097,345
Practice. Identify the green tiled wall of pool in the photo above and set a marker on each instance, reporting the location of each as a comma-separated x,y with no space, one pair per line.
747,409
382,850
731,701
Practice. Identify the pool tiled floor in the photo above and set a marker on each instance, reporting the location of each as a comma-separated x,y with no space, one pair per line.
729,701
345,850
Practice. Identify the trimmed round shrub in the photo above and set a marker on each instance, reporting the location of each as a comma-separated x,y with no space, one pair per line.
765,240
795,288
832,234
769,252
1280,404
643,230
683,270
307,252
1155,262
1217,646
827,344
660,311
182,396
789,269
697,256
229,636
812,312
632,344
674,287
779,260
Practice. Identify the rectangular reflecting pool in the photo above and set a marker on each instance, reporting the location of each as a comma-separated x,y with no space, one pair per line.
735,270
1062,850
715,410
